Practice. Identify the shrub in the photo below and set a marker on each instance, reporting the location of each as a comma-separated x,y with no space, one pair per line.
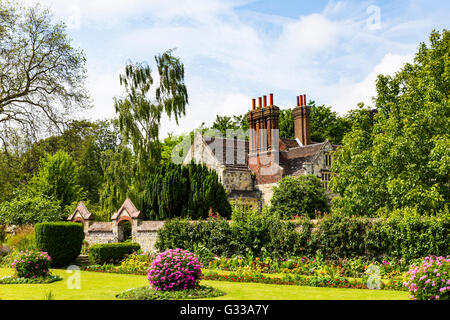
175,269
62,241
2,233
111,252
429,281
302,195
23,239
31,264
340,236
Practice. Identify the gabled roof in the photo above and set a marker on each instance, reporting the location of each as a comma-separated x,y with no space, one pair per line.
229,152
130,208
84,212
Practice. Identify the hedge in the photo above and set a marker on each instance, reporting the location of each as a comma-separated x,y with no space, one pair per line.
111,252
61,240
405,235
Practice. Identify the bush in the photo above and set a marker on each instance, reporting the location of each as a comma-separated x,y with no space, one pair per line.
29,209
111,252
175,269
299,196
403,235
430,281
2,233
31,264
62,241
340,236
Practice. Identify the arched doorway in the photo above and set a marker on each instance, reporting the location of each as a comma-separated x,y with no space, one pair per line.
124,230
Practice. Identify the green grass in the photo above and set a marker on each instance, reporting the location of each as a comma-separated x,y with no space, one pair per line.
104,286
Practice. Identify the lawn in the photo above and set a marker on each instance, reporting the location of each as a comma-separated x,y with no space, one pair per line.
104,286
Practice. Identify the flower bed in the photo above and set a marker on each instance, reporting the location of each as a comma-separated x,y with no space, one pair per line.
15,280
147,293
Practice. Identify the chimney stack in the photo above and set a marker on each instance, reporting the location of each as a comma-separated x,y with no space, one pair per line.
302,121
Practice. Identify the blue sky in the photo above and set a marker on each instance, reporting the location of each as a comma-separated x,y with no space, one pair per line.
236,50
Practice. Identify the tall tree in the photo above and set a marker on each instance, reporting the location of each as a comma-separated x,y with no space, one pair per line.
58,178
400,157
41,74
139,115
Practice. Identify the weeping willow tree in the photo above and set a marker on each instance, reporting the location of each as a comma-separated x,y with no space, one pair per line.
184,191
139,112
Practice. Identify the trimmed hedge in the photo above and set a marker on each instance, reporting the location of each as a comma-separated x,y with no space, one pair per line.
61,240
403,235
111,252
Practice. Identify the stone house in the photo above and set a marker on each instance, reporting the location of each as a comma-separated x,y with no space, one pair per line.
249,169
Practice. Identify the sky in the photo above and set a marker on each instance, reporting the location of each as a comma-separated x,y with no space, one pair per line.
236,50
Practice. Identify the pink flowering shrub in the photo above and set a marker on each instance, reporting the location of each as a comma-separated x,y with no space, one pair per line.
431,280
175,269
31,264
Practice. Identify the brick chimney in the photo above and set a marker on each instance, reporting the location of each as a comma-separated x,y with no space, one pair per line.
264,140
302,127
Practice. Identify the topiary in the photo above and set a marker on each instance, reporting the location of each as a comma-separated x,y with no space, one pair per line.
175,269
103,253
62,241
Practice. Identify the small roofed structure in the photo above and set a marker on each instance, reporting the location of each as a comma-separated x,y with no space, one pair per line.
126,220
81,214
128,209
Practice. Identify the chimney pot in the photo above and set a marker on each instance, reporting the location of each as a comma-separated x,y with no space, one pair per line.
271,99
298,101
304,99
264,101
260,102
301,100
253,104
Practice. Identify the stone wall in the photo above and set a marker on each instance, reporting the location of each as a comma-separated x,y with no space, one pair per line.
143,232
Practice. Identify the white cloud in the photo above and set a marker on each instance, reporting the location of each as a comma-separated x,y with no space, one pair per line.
346,95
230,57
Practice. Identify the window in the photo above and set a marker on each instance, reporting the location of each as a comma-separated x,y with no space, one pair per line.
325,180
327,159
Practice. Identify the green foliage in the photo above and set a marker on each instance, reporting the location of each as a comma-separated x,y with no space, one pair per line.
22,240
340,236
404,235
299,196
14,280
139,117
111,252
399,157
237,124
181,191
249,233
27,208
61,240
2,233
57,178
147,293
286,124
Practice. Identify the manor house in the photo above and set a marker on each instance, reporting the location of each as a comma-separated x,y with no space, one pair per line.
249,169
